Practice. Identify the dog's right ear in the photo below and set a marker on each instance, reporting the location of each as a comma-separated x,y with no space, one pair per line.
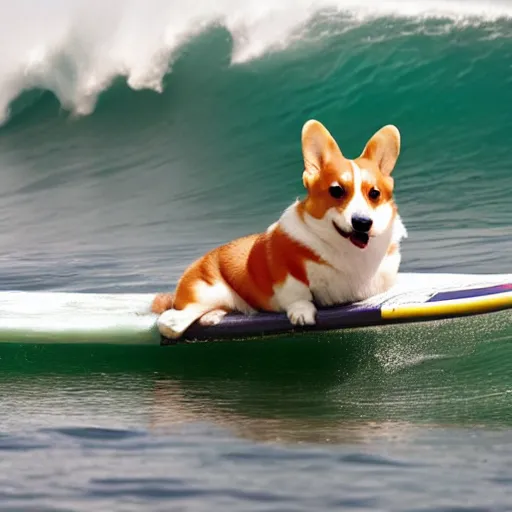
318,149
383,148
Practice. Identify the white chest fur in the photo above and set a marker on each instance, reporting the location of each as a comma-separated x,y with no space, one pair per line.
330,285
349,273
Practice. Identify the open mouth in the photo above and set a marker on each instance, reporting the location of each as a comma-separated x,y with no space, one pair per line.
358,238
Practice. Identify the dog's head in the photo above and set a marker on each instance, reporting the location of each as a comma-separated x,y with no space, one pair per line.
353,198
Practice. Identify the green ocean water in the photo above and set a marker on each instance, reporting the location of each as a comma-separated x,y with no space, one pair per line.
123,198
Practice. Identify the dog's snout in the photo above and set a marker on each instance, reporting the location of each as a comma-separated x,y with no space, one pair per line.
361,223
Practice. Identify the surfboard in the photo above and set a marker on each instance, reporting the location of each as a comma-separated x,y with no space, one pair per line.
66,317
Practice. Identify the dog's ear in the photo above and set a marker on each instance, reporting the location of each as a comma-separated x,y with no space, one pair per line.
383,149
318,149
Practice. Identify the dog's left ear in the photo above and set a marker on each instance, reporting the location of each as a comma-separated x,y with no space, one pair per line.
383,148
318,149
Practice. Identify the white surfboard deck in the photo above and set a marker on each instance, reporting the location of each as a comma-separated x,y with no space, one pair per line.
62,317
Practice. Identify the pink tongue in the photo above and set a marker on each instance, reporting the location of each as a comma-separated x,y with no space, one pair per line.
360,241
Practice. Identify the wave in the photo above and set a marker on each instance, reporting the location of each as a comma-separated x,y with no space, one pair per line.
77,48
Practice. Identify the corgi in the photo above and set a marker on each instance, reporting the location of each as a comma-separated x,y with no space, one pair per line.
338,245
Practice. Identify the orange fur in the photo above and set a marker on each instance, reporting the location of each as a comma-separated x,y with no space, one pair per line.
162,302
383,183
325,164
254,266
251,266
318,200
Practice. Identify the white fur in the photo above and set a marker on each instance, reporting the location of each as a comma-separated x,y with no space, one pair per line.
213,317
295,298
302,312
291,288
358,205
221,295
173,323
352,273
272,227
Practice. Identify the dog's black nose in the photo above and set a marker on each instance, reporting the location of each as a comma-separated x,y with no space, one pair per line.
361,223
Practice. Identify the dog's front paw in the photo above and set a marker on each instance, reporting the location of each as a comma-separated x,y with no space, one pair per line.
302,312
213,317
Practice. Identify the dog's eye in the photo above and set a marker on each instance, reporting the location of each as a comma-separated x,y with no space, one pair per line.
374,194
336,191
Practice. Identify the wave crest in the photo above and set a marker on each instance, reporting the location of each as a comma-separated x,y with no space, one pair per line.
77,48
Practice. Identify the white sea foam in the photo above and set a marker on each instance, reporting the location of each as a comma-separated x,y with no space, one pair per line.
75,48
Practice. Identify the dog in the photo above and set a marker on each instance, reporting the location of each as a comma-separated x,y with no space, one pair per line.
340,244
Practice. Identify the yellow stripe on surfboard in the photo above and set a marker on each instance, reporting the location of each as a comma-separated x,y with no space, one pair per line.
456,307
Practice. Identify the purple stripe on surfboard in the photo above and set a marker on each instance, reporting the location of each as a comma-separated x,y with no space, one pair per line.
236,325
471,293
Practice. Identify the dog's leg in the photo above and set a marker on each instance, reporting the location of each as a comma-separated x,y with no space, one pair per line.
212,317
195,300
302,312
296,299
174,322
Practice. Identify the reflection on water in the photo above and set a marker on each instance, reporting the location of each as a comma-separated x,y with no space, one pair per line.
333,388
173,408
